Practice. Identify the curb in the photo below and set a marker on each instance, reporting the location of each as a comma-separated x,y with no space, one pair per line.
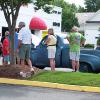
49,85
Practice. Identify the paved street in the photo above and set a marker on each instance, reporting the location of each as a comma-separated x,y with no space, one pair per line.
9,92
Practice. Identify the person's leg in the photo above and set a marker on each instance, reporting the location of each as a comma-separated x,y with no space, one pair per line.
22,62
17,59
30,64
27,57
77,65
73,62
73,65
52,64
6,60
77,60
22,52
51,56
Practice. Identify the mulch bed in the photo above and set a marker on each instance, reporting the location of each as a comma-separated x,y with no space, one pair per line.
13,71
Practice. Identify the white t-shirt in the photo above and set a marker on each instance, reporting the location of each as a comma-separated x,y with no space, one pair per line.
0,38
25,35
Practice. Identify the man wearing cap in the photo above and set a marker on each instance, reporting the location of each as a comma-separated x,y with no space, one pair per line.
75,40
24,44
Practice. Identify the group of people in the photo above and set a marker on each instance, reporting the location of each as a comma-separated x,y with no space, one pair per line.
75,40
22,46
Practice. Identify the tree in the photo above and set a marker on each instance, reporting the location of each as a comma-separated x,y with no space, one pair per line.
68,14
81,9
11,9
92,5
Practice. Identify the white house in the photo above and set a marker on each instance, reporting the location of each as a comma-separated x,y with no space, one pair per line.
90,24
26,13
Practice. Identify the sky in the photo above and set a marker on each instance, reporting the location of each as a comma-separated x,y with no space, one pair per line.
77,2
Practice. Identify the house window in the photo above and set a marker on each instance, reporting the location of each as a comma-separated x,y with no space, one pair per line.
59,12
54,11
56,24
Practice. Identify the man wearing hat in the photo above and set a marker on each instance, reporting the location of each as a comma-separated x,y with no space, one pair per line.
24,44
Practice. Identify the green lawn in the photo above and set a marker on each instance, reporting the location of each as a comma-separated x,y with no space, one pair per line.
72,78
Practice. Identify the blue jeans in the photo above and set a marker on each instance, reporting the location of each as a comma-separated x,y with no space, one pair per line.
6,58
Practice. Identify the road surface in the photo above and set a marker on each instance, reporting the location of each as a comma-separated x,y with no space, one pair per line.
11,92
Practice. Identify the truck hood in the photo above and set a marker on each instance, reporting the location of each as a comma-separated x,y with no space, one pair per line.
91,52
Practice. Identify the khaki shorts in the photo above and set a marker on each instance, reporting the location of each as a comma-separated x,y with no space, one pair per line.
24,52
75,56
51,51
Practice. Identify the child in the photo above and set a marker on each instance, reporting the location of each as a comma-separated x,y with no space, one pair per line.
5,49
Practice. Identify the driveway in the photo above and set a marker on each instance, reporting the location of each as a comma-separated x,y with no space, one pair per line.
11,92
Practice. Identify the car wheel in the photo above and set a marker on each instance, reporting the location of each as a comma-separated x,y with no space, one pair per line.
84,67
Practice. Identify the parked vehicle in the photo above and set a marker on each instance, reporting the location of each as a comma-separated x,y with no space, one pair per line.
89,59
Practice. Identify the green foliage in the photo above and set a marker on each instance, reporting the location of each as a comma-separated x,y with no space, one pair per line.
98,41
89,46
90,6
81,9
68,14
44,4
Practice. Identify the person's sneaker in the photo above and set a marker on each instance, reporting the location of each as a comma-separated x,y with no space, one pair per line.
22,74
32,71
73,70
77,70
28,74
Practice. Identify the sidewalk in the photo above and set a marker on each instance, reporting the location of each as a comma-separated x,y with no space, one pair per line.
60,69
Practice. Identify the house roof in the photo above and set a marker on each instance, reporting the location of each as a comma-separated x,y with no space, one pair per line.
95,18
83,17
90,17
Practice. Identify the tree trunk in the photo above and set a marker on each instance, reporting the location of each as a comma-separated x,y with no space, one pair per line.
12,55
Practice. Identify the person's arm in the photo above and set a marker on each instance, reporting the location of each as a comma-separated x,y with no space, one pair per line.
19,40
48,40
82,40
68,38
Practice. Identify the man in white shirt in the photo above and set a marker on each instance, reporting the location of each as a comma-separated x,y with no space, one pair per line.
24,44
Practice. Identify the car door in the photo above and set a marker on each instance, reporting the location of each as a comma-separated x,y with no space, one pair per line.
65,57
42,54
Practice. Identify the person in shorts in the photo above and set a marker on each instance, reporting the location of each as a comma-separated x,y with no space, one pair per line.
51,43
24,45
75,40
5,49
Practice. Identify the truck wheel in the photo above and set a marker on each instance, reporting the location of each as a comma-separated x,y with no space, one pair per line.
84,67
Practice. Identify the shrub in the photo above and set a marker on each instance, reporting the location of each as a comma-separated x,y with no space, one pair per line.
98,41
89,46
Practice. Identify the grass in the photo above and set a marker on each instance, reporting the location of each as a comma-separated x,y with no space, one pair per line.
71,78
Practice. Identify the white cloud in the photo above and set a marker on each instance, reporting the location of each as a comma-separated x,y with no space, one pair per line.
77,2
